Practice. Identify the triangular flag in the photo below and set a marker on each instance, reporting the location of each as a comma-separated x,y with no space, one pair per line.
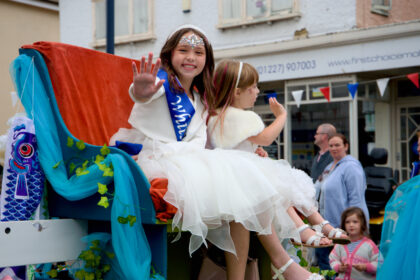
297,95
352,89
382,85
326,92
414,77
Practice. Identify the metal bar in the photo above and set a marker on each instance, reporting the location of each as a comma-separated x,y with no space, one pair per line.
110,26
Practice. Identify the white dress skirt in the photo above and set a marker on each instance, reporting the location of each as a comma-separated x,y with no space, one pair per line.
211,188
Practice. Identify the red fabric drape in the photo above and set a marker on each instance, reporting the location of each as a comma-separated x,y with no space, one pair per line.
91,89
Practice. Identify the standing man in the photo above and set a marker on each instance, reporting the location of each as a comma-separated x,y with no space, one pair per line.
323,157
321,160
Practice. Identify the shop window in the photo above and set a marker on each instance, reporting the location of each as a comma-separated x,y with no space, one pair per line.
133,21
233,13
381,7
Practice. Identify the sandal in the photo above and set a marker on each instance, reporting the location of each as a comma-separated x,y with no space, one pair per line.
336,234
279,272
313,241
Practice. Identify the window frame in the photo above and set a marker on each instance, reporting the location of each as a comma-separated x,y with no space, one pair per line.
379,8
131,37
245,20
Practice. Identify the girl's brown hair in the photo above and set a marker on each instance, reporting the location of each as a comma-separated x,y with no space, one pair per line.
225,79
360,215
203,81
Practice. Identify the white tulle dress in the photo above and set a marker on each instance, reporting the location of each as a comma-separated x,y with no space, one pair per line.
211,188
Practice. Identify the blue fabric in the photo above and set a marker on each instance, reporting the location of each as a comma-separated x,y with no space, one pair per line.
130,148
344,187
179,105
129,242
400,241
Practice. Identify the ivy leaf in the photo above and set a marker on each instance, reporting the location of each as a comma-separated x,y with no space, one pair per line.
108,172
110,255
314,269
90,276
57,164
131,219
70,142
85,164
104,202
80,171
72,167
331,273
106,268
80,274
102,189
105,150
99,159
53,273
80,145
122,220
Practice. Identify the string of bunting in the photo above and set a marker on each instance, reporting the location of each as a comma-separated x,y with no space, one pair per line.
352,88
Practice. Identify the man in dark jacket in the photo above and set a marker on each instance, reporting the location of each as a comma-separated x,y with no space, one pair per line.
323,157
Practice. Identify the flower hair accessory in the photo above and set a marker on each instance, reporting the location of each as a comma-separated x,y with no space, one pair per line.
192,40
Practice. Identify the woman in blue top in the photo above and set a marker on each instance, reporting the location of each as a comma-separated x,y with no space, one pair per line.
341,185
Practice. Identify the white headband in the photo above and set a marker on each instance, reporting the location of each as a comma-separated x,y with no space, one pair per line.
188,26
239,73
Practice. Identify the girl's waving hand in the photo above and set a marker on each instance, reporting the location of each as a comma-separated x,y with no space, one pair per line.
144,79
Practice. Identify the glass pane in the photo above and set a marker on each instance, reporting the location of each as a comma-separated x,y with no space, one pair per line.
231,9
366,131
361,90
256,8
403,154
121,18
304,122
281,5
141,16
340,89
414,110
412,127
406,88
315,92
403,128
100,24
275,150
373,90
404,175
292,89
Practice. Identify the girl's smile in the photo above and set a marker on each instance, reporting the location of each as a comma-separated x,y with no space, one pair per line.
188,60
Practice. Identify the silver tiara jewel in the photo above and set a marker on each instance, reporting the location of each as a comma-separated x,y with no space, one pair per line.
192,40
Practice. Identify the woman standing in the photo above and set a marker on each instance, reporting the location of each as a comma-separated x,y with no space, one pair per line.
341,185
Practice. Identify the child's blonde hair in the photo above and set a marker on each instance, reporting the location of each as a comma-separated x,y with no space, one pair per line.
225,80
359,214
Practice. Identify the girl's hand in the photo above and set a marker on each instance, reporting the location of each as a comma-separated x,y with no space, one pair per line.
136,157
343,268
261,152
360,266
276,107
144,79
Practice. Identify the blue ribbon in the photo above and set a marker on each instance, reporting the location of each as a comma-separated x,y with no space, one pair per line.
180,107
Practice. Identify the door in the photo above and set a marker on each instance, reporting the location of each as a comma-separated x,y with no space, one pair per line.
408,124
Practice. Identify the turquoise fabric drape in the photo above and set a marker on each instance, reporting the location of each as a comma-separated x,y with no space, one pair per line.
130,244
400,241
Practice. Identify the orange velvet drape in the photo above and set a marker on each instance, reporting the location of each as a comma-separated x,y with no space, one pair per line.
91,89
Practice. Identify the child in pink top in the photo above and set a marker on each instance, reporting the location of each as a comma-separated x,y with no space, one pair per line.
359,259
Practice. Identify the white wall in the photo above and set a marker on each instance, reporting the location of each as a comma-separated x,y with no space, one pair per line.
318,17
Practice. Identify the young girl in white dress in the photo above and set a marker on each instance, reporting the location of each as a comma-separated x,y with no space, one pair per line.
220,195
230,126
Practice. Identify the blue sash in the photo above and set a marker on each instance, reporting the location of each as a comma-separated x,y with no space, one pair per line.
180,107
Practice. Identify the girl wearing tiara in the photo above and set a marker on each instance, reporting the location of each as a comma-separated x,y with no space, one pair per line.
214,190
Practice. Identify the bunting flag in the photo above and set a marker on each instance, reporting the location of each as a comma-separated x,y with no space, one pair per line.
414,77
297,95
382,83
352,89
326,92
